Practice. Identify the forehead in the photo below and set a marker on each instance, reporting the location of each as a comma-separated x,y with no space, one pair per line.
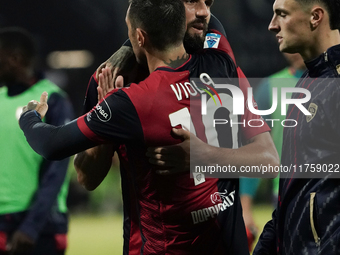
286,5
207,2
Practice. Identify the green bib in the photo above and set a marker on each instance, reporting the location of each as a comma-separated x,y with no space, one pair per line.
19,164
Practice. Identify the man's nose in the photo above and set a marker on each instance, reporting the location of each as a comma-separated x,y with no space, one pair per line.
273,26
202,9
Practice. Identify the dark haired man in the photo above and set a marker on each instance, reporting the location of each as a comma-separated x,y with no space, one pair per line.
123,62
93,164
177,215
33,191
307,217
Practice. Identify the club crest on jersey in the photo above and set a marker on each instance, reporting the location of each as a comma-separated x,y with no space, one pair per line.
338,69
212,41
198,178
312,108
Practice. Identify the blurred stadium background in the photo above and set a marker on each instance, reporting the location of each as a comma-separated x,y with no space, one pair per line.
75,37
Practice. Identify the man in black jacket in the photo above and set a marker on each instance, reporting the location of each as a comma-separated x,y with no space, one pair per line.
307,218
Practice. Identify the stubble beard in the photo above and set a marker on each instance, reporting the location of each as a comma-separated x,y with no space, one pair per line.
193,43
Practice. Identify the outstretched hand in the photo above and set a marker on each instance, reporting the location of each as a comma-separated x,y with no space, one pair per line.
41,107
173,158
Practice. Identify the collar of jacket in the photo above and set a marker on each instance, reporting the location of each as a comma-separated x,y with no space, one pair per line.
321,65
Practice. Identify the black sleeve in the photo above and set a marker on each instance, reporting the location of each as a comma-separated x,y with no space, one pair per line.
51,142
114,120
91,97
215,24
266,244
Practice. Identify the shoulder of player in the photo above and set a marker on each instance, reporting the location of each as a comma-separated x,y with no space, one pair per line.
214,55
217,40
157,78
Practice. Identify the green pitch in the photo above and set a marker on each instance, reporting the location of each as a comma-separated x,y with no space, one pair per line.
89,235
103,235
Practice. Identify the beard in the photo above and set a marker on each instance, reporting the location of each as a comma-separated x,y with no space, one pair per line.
193,43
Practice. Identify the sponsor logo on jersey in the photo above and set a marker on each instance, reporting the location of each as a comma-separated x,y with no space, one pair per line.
222,201
226,199
103,111
212,40
88,116
312,108
205,214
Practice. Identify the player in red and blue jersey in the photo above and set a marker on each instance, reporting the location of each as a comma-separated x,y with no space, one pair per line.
199,22
176,214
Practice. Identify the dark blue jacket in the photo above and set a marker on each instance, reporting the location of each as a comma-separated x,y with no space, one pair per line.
307,218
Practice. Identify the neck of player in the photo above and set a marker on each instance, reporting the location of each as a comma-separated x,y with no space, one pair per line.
173,57
320,44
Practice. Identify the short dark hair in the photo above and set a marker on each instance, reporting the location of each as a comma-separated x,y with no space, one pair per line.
162,20
18,39
332,7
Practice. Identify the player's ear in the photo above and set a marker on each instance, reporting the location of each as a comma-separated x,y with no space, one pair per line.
317,15
141,37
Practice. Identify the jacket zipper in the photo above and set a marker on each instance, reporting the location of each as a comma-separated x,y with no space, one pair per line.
334,68
311,213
